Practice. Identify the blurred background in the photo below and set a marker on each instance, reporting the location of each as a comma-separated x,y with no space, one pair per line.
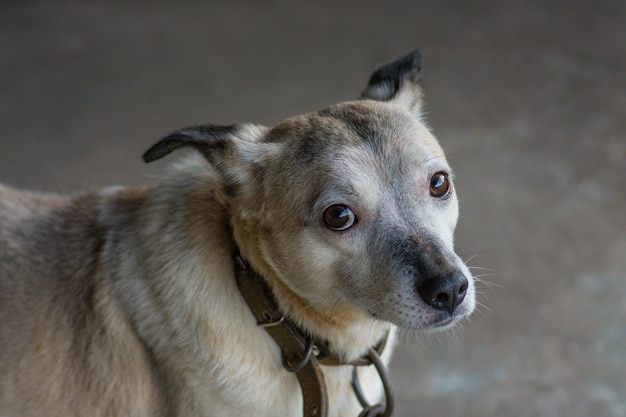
527,97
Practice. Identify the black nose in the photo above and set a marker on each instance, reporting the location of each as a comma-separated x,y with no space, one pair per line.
444,293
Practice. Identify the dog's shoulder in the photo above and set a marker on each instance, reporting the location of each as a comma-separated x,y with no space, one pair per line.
43,234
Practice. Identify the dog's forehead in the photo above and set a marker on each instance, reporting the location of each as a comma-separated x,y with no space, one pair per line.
386,131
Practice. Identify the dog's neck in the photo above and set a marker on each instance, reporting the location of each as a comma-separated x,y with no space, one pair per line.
301,353
292,340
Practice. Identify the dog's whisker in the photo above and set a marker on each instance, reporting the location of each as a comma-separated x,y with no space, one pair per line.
474,257
468,260
492,271
482,278
480,306
483,268
487,284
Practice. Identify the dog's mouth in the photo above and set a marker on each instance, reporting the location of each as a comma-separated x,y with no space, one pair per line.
426,320
418,317
445,322
436,324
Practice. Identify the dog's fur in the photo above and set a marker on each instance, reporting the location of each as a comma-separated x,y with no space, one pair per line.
122,302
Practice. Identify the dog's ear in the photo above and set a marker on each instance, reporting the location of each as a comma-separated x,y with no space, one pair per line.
236,151
398,81
214,142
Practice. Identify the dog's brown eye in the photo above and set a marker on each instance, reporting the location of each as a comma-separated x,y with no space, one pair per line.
339,217
440,185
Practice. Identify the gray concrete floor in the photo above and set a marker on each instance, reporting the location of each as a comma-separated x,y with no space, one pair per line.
528,98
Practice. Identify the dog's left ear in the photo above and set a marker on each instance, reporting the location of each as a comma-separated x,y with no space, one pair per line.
236,151
398,81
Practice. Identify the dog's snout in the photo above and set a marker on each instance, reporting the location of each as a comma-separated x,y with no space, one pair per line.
444,293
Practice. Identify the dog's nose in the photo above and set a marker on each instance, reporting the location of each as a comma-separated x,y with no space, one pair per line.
444,293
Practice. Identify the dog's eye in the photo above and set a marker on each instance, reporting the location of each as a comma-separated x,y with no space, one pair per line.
339,217
440,185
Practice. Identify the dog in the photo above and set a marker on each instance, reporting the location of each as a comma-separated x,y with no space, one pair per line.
124,301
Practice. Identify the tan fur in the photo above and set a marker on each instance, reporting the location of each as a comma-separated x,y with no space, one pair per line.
122,302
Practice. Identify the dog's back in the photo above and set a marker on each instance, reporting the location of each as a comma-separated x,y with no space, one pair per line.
62,333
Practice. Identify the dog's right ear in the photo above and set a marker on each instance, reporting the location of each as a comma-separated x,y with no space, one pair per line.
398,81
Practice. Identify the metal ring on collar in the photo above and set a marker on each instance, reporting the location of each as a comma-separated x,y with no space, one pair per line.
307,356
379,410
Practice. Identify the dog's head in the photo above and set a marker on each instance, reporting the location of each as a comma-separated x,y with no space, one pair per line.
351,207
